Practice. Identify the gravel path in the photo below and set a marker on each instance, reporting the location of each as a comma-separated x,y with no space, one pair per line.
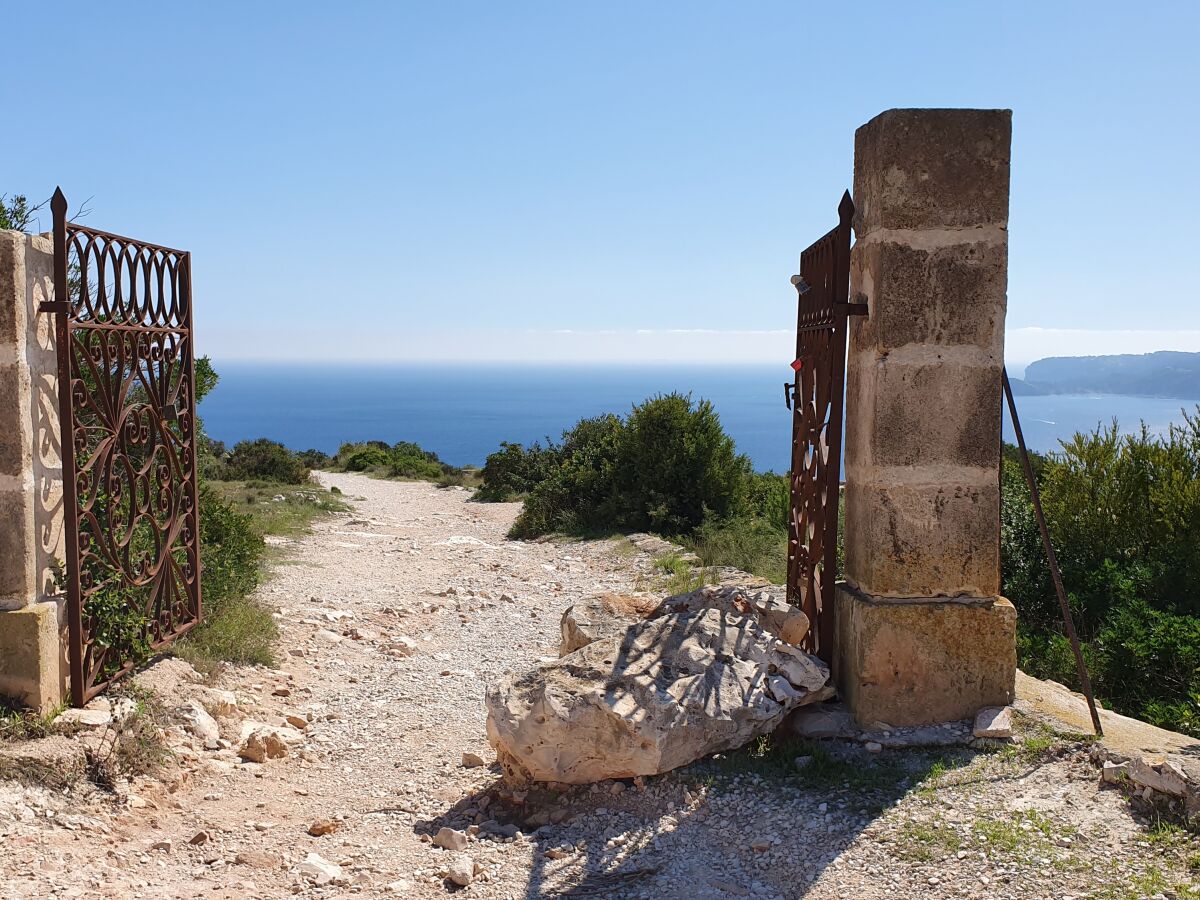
394,619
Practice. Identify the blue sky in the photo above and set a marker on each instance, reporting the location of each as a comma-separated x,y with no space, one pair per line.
596,180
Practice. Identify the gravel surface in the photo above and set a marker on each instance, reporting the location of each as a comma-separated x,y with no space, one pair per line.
394,618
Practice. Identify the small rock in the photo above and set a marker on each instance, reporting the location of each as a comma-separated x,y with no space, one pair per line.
462,870
200,837
88,718
801,761
874,747
324,826
450,839
257,859
197,722
319,871
472,760
162,846
993,722
1113,773
762,845
296,721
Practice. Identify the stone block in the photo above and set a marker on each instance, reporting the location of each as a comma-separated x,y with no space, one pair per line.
922,661
940,296
12,288
31,665
937,539
931,169
15,441
921,410
17,561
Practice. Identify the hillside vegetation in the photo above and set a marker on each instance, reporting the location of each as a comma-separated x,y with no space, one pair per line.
1124,514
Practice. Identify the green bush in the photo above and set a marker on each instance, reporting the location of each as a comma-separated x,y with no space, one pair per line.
236,628
1124,516
677,466
362,459
314,459
666,468
267,460
514,471
403,459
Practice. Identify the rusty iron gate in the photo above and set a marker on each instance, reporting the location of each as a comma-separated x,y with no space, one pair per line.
816,398
123,317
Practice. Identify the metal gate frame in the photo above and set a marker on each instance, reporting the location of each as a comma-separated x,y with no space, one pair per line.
126,375
816,398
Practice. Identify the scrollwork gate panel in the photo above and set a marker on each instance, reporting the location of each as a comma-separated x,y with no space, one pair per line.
816,397
125,364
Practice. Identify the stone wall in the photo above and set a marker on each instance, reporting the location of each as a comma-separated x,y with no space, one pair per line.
32,667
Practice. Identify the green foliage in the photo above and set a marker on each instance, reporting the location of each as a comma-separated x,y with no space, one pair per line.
403,459
314,459
265,459
666,468
236,628
752,544
16,213
1124,516
677,466
514,471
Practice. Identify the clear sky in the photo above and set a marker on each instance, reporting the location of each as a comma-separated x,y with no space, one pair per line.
605,180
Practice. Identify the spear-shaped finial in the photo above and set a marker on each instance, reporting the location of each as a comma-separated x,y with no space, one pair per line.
58,203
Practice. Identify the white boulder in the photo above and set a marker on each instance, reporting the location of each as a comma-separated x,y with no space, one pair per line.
664,693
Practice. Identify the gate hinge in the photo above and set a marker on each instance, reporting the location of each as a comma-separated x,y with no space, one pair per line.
53,306
855,309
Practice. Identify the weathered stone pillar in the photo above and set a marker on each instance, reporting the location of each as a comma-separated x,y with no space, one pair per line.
32,667
922,633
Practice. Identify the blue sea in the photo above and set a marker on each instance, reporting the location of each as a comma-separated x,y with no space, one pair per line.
463,412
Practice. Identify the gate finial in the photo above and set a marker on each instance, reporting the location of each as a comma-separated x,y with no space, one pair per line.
846,207
58,203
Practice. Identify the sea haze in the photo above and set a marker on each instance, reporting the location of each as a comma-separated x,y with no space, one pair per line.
463,412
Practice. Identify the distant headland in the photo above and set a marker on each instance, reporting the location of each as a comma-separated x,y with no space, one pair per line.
1166,373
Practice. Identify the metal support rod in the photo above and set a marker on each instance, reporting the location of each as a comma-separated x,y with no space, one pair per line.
1084,680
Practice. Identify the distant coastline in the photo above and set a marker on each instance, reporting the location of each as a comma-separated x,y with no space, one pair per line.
1164,374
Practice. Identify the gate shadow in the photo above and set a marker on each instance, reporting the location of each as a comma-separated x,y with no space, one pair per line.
742,822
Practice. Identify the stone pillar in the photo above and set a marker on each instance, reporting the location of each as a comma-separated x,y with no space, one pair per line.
32,665
922,633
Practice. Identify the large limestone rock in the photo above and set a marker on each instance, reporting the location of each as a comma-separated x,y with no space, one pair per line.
665,692
610,615
596,617
774,613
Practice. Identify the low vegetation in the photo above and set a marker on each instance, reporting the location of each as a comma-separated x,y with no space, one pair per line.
1124,516
1123,511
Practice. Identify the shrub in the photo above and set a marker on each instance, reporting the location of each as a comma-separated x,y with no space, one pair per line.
361,458
236,628
514,471
1124,516
580,493
666,468
677,465
401,460
314,459
266,459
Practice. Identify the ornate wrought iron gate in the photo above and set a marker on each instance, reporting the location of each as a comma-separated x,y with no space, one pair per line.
123,311
816,398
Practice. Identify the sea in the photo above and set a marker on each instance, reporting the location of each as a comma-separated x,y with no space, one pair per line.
463,411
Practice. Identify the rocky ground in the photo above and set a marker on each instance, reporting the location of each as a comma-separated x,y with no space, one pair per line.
394,618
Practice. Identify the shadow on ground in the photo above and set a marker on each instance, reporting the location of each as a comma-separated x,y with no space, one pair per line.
744,823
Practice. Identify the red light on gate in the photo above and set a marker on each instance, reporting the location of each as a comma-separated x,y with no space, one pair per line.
798,365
